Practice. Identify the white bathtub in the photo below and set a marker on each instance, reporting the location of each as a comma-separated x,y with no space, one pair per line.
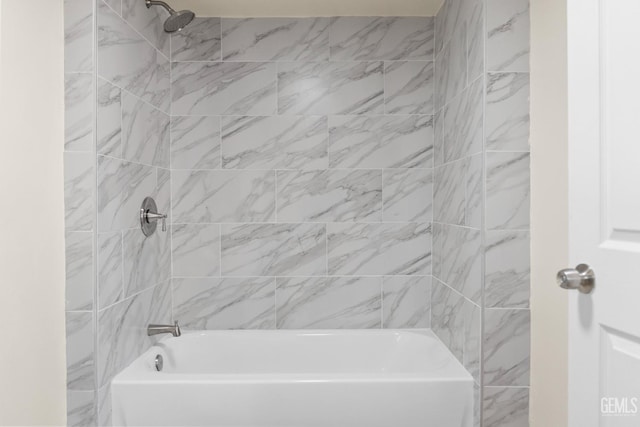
296,379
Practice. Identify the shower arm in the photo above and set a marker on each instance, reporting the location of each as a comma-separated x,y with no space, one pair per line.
150,3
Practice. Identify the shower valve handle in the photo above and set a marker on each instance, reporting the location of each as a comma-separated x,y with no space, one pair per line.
154,216
149,217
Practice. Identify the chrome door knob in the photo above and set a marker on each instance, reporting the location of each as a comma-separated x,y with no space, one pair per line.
581,278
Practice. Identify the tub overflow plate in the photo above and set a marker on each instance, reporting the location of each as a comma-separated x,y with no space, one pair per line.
159,362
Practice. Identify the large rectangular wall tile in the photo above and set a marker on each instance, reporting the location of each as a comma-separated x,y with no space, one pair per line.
81,409
223,196
80,356
274,142
380,142
508,111
506,346
162,193
127,60
407,195
149,22
449,193
195,142
475,191
463,122
109,120
79,271
477,404
457,322
448,20
330,88
472,354
329,195
145,133
195,250
104,406
508,191
230,303
110,272
79,181
272,39
122,186
408,87
507,269
506,407
78,112
406,302
475,39
438,138
146,260
274,250
390,38
198,41
122,329
508,31
78,38
451,70
328,303
213,88
458,259
447,317
379,249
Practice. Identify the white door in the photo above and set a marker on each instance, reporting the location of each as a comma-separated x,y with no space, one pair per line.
604,200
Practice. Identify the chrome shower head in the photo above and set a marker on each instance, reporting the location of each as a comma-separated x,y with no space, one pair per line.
177,20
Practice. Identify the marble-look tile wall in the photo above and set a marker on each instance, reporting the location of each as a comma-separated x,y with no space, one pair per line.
506,339
481,200
457,292
117,151
317,172
80,219
302,172
133,162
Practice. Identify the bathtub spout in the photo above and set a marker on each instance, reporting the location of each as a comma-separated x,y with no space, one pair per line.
164,329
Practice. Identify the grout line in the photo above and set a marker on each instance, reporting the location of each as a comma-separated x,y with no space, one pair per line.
326,247
220,250
456,292
382,194
275,302
326,276
275,194
247,170
94,229
317,223
122,287
483,220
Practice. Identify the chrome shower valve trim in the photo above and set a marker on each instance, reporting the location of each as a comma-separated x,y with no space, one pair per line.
149,217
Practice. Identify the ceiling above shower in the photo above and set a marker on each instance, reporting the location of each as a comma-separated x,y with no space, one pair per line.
257,8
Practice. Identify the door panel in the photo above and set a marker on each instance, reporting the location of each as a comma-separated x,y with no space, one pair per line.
604,206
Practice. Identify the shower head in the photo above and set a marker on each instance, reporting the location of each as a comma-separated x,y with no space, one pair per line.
177,20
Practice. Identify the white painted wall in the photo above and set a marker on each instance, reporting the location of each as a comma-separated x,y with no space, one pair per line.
261,8
32,351
549,213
